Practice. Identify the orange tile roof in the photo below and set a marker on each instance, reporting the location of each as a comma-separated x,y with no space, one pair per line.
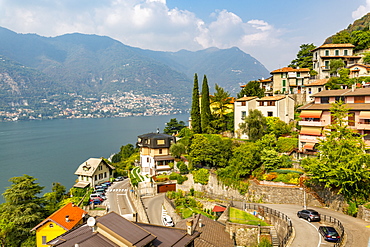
246,98
75,214
289,69
319,82
334,46
277,97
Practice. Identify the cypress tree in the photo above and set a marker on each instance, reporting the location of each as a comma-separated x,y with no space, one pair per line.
195,109
205,112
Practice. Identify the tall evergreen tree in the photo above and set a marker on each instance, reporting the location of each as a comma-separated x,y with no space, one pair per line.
205,108
195,109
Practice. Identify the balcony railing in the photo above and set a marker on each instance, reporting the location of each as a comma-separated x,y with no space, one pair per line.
320,123
363,126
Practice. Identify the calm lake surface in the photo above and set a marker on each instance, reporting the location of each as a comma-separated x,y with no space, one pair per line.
52,150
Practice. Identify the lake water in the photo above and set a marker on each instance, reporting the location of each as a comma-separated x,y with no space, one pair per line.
52,150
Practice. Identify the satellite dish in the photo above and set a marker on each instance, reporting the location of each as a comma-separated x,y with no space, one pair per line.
91,221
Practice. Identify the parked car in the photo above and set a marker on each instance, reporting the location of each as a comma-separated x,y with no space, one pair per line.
101,191
101,195
167,220
329,233
309,215
96,195
95,201
118,179
107,184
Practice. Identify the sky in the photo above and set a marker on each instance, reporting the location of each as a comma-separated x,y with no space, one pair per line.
269,30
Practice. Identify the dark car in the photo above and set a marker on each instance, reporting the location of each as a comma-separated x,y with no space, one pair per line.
309,215
95,201
329,233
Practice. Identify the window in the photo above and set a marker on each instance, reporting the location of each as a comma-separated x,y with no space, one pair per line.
270,114
244,114
43,239
298,74
105,174
51,225
309,90
325,100
262,103
351,118
147,159
270,103
284,89
326,64
96,177
345,53
359,99
336,52
160,151
244,103
339,98
319,89
326,52
160,142
284,83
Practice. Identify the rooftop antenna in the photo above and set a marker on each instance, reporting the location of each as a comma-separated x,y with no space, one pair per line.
157,130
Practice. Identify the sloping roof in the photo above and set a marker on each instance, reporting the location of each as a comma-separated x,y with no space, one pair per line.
319,82
213,233
344,92
289,69
359,65
334,46
169,236
246,98
89,167
155,136
121,229
218,209
74,213
313,106
272,98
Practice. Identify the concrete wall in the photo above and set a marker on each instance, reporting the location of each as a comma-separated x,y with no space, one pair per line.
139,206
171,210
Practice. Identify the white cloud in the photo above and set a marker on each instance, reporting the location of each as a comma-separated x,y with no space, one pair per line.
361,10
148,24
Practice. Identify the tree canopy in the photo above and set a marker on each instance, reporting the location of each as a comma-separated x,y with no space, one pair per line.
174,126
195,108
342,164
252,88
254,125
304,57
205,106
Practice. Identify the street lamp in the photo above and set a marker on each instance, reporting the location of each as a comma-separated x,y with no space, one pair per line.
304,197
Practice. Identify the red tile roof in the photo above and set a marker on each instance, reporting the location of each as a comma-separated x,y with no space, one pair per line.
74,213
277,97
289,69
246,98
319,82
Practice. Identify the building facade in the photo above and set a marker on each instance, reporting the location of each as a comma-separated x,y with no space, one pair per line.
316,116
155,155
93,171
289,80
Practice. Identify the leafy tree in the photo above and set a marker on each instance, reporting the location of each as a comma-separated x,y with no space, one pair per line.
125,152
342,163
174,127
54,197
253,88
183,168
286,144
195,109
23,208
304,57
254,125
205,106
361,39
177,149
221,101
335,65
278,127
201,176
341,37
366,58
186,136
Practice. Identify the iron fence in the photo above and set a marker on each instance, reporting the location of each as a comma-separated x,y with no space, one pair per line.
338,225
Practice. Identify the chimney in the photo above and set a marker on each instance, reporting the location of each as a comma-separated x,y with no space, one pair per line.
67,218
189,227
353,87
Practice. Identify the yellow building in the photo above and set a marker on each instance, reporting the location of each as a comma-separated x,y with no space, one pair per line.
58,223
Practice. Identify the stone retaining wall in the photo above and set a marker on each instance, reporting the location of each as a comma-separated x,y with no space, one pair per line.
363,213
139,206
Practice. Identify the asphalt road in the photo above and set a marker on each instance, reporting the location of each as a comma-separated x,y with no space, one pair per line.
153,207
117,198
306,234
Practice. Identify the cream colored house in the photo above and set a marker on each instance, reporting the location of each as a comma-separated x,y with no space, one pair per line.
359,70
322,56
289,80
312,87
281,106
92,172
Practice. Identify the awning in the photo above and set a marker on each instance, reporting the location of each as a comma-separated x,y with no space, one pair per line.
218,209
364,115
310,114
314,131
309,145
165,157
81,184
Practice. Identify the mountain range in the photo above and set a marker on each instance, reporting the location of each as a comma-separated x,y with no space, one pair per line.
34,67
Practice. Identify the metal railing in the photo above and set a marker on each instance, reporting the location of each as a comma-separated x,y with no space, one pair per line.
338,225
282,242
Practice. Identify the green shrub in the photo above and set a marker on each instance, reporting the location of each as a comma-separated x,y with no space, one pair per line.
201,176
286,144
174,176
351,209
181,179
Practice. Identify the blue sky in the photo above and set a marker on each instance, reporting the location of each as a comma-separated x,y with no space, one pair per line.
269,30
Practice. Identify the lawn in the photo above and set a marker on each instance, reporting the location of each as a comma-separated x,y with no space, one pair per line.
242,217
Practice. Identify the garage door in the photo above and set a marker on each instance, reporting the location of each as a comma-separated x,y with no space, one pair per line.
166,187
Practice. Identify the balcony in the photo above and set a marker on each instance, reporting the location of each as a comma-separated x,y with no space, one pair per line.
312,123
363,126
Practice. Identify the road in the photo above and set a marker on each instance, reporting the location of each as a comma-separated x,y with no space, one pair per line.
358,234
117,199
154,208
